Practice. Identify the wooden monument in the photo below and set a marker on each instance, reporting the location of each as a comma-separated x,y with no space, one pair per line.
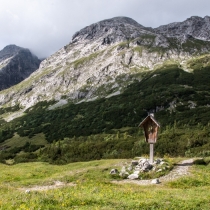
150,126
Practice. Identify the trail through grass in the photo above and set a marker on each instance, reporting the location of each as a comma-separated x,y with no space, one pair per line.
93,189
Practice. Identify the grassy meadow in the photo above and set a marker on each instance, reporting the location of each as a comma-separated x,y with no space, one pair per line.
92,188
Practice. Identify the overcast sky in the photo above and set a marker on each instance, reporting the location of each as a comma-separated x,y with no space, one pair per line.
44,26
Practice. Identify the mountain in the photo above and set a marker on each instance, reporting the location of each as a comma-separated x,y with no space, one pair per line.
16,64
105,57
86,101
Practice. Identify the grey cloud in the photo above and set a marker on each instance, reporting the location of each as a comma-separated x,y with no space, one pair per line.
44,26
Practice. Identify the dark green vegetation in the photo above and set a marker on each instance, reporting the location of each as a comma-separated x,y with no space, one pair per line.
108,127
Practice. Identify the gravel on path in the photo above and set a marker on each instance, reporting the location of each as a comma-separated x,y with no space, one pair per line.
181,169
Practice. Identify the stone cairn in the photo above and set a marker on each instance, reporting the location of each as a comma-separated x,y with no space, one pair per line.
137,167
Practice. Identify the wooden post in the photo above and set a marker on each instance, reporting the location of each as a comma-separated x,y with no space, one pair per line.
150,126
151,154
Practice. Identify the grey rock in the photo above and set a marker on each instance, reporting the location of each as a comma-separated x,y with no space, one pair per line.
130,168
133,176
142,161
27,191
136,172
155,181
114,171
147,166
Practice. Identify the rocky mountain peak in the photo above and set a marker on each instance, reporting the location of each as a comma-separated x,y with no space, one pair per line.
16,64
11,48
195,26
9,51
111,30
207,18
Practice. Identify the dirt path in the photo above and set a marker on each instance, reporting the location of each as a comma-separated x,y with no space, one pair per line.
57,184
181,169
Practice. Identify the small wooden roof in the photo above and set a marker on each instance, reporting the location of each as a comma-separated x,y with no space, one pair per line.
149,117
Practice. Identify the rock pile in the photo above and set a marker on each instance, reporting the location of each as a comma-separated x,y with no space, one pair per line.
136,168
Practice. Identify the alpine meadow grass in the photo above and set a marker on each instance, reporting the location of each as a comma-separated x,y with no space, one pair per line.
92,188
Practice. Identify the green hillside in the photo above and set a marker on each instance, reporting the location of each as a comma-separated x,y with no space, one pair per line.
108,127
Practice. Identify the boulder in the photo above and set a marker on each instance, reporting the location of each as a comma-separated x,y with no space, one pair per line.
155,181
147,166
114,171
133,176
136,172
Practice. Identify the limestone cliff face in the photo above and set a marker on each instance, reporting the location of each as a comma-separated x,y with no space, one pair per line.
100,61
16,64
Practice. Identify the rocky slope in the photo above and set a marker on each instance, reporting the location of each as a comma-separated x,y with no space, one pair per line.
103,58
195,26
16,64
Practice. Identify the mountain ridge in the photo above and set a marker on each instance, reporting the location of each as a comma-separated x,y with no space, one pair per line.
106,27
101,59
194,26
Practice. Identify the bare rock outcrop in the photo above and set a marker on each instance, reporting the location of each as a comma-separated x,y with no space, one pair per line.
16,64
